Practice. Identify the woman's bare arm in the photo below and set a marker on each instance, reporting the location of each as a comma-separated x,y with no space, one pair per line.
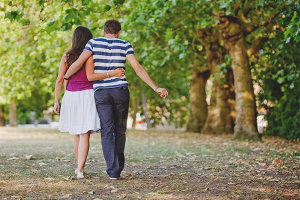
59,81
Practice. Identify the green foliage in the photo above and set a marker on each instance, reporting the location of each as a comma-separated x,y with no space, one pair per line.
293,28
284,118
166,39
277,72
222,69
14,15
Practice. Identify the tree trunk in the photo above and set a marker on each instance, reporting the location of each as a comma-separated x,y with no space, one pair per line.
146,112
134,109
13,120
2,120
246,124
198,104
221,111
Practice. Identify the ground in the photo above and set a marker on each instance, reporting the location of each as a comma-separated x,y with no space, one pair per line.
39,164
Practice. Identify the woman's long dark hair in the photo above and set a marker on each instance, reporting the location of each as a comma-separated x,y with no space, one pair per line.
80,38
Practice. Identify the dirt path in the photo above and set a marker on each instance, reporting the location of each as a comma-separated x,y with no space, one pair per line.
159,165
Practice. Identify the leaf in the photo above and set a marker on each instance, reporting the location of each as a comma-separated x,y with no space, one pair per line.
222,80
42,164
114,191
182,55
13,158
85,2
291,77
28,157
24,22
107,8
276,161
151,20
144,54
216,21
266,190
200,47
49,179
223,4
118,2
17,197
261,52
289,194
280,80
67,26
41,2
51,26
13,15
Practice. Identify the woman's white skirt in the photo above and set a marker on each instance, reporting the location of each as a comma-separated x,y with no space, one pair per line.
78,113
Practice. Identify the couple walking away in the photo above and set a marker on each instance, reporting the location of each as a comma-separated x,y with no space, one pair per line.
97,95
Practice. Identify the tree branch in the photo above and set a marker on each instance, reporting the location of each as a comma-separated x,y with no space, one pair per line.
256,46
248,28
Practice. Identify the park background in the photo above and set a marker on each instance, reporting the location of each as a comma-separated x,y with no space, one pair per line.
228,65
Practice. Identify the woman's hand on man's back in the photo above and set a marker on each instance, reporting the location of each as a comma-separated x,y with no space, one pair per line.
118,72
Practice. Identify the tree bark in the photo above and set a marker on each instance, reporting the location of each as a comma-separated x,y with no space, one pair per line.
2,120
146,112
233,35
13,120
221,111
198,104
134,109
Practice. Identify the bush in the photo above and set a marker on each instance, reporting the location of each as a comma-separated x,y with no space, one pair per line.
284,118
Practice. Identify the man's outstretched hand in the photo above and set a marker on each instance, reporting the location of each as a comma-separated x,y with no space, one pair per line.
163,92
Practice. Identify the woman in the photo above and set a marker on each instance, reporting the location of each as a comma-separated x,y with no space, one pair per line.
78,114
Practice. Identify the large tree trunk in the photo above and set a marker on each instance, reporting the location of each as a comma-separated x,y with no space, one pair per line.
13,120
246,124
198,104
146,112
134,109
2,120
221,111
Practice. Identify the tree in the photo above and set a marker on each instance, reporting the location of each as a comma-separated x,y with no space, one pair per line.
277,72
181,42
234,26
2,119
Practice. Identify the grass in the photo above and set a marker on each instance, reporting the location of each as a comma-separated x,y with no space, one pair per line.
159,165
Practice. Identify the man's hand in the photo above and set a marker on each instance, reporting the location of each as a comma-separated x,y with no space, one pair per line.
163,92
56,108
117,72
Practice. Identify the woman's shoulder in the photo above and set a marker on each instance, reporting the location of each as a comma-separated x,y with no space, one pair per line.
65,57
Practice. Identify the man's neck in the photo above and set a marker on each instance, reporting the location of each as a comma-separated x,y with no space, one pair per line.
110,36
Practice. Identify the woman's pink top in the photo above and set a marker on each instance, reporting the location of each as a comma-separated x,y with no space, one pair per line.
79,81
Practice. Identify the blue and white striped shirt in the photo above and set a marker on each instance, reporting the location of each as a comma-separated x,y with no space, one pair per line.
109,54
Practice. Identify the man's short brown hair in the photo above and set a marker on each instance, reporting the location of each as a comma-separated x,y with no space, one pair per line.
112,26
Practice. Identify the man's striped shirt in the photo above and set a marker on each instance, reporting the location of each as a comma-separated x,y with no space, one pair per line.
109,54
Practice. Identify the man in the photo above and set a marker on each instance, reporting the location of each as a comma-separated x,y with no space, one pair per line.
112,94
